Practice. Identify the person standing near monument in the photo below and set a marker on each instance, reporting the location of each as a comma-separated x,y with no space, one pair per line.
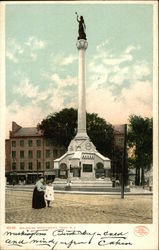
49,193
38,195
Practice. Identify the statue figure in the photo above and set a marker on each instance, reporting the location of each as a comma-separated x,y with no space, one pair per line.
82,27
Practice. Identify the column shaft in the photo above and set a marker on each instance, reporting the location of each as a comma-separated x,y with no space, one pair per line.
81,131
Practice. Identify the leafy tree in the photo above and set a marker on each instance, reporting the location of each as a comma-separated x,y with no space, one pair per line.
140,139
101,134
61,127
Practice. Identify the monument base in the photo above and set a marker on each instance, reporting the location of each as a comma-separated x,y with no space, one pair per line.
82,162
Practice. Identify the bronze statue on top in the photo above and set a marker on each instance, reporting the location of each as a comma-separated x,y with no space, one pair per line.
82,27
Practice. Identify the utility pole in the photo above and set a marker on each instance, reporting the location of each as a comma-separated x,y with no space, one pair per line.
124,161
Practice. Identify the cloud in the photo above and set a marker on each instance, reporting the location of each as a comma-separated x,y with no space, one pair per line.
68,60
16,51
141,70
25,88
54,97
130,48
60,61
61,83
136,99
33,56
107,67
119,84
27,116
121,75
63,95
11,56
35,43
33,92
137,71
103,44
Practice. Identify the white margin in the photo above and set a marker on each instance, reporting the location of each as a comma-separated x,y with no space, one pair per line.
155,100
2,117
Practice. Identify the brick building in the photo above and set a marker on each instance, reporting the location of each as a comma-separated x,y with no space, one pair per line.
118,136
29,155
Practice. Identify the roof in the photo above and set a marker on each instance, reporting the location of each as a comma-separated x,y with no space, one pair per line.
102,157
59,159
31,131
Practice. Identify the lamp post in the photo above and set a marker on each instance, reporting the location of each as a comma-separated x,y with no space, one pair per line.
124,162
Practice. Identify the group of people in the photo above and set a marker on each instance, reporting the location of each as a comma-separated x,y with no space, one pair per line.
42,194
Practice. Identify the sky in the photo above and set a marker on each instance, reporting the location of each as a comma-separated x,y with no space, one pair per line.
42,60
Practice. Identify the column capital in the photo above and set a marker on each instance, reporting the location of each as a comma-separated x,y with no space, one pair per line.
82,44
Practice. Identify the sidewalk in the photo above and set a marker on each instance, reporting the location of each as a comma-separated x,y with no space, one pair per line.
133,190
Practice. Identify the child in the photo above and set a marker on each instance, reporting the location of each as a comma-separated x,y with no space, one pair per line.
49,193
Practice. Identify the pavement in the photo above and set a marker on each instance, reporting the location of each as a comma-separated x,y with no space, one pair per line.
134,190
81,208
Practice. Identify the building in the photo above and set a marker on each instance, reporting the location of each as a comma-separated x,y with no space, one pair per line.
118,136
29,154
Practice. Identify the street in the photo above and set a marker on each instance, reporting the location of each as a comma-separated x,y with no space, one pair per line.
79,208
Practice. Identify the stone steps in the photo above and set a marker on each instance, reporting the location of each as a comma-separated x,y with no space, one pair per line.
81,188
91,189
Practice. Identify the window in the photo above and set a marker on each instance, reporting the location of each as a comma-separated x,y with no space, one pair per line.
55,153
30,143
21,165
38,165
47,165
30,154
47,153
38,143
13,143
22,143
30,165
87,167
13,154
38,154
21,154
13,165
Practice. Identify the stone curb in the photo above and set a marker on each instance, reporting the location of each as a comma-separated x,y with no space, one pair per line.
84,193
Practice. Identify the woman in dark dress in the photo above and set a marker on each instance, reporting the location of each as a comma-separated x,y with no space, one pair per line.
38,195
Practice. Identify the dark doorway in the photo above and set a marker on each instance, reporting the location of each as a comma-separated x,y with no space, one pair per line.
100,173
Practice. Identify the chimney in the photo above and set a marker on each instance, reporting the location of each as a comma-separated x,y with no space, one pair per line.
15,127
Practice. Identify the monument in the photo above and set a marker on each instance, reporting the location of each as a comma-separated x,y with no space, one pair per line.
82,162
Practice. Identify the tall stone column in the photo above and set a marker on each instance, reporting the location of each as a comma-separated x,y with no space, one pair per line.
81,131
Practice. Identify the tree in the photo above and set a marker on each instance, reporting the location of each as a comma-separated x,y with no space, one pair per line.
61,127
101,134
140,139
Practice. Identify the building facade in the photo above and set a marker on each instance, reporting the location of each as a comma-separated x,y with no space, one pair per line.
29,154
